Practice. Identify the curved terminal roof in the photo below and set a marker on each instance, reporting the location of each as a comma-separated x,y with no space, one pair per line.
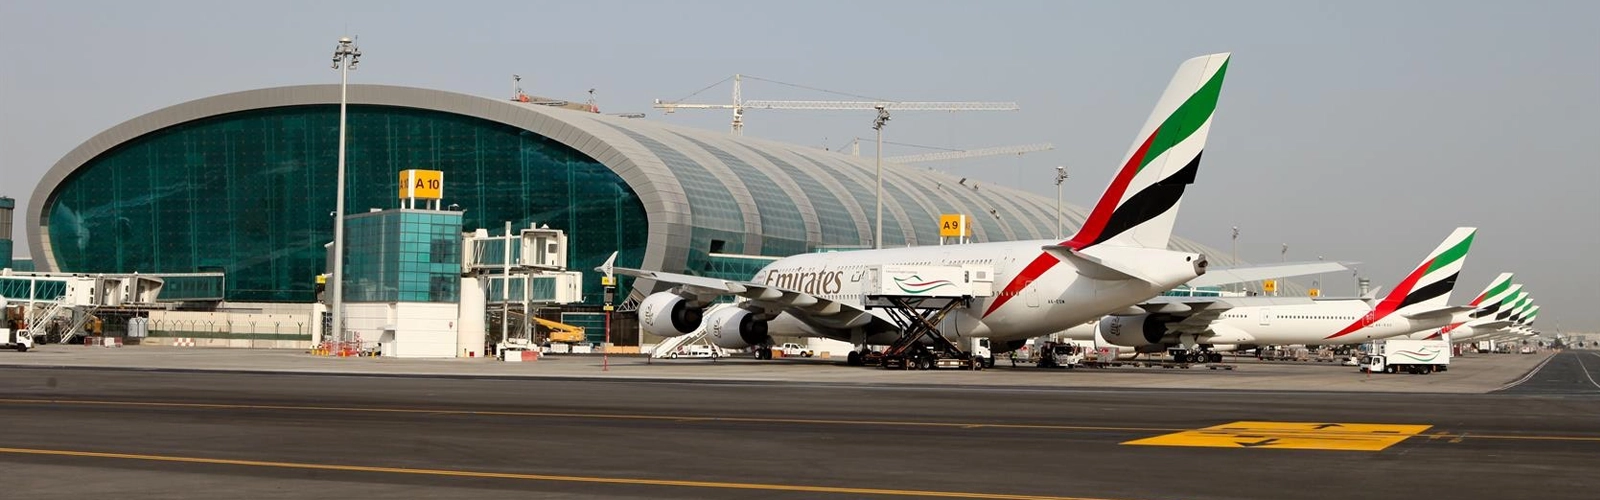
779,198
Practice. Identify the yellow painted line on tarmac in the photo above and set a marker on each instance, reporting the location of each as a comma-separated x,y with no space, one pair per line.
616,416
538,477
698,419
1290,436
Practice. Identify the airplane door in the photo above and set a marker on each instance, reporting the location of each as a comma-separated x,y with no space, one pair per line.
1032,295
1266,317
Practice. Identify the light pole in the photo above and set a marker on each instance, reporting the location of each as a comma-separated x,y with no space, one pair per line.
877,124
345,58
1283,258
1235,262
1061,175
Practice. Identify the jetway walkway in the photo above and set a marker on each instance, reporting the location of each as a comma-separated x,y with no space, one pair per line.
61,305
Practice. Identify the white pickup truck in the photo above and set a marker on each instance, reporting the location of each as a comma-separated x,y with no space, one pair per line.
793,350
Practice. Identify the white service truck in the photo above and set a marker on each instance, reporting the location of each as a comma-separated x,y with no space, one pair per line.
13,332
1410,356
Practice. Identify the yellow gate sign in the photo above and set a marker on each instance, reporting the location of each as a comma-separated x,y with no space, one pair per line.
1269,286
1315,292
954,226
423,184
1290,435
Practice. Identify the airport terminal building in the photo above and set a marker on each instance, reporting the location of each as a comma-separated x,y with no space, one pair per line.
243,184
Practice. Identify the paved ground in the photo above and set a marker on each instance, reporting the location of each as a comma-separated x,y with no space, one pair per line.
89,433
1472,374
1571,373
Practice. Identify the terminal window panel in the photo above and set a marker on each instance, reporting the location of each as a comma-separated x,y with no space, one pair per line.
250,194
837,226
863,194
783,230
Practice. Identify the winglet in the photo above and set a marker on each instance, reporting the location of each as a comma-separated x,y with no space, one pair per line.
610,265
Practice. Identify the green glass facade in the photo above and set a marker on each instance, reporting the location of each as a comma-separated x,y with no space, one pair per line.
7,206
403,256
250,194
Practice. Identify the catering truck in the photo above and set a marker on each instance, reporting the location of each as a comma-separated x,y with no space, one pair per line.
1410,356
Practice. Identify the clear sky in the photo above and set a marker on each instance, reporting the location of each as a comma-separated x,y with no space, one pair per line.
1356,131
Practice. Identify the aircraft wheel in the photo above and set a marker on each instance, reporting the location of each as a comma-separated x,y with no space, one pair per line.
853,359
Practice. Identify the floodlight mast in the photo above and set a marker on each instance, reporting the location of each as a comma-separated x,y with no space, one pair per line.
345,57
877,125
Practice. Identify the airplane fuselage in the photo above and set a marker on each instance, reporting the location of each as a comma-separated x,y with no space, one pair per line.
1314,324
1034,292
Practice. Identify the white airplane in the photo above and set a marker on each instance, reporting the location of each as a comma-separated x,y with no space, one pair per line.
1192,328
1118,258
1522,323
1517,306
1481,321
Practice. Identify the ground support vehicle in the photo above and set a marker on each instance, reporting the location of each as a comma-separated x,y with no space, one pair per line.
921,346
1419,357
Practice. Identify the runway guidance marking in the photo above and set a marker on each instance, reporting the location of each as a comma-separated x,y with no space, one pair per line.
1290,436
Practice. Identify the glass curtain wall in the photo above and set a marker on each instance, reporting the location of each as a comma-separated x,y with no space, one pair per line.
251,194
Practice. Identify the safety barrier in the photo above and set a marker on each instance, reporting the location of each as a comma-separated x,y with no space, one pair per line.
103,341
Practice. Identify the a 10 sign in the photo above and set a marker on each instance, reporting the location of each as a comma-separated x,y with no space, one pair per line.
424,184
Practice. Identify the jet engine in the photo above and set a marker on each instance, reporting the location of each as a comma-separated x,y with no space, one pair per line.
1137,330
667,314
735,328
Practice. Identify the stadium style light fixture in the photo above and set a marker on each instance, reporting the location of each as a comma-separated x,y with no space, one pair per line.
345,57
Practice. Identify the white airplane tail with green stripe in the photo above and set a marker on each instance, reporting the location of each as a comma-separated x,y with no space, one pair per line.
1140,206
1428,287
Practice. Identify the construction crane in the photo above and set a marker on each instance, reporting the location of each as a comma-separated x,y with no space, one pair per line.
739,105
970,153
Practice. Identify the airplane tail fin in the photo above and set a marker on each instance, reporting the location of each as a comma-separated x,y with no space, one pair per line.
1429,285
1513,304
1491,299
1140,205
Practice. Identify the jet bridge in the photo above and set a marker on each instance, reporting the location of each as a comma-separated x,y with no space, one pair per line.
917,299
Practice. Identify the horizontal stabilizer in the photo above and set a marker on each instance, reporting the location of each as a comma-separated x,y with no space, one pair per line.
1494,325
1436,312
1094,267
1229,275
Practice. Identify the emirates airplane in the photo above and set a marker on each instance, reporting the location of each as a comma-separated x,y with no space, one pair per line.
1194,327
1119,257
1481,321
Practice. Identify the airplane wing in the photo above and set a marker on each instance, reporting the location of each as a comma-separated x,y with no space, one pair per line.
805,306
1228,275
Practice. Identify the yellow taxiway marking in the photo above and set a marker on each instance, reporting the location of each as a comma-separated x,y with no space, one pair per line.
538,477
697,418
616,416
1290,435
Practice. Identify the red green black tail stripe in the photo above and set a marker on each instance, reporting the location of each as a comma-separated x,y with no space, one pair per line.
1390,303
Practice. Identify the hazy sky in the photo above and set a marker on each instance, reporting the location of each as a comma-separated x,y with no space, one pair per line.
1351,130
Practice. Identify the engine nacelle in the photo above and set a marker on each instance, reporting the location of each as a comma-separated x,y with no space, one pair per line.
667,314
735,328
1133,331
